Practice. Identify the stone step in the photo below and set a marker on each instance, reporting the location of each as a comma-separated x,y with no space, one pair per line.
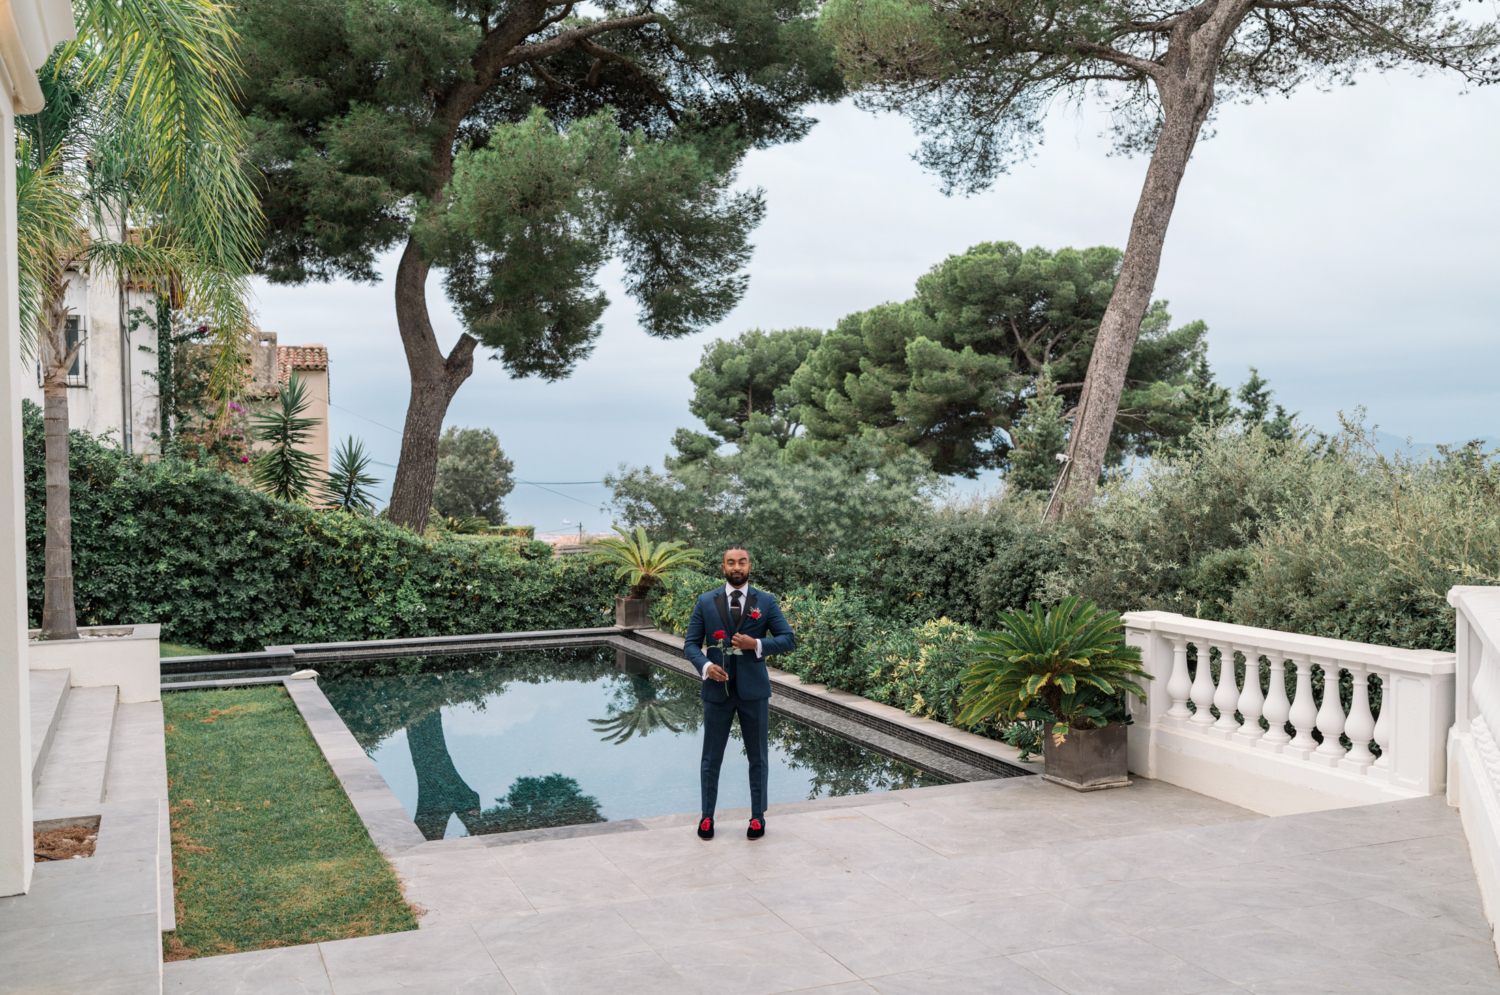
138,771
77,766
49,693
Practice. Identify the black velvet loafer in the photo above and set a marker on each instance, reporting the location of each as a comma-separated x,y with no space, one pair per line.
706,828
757,829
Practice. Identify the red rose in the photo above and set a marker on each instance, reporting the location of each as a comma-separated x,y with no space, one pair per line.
719,634
755,613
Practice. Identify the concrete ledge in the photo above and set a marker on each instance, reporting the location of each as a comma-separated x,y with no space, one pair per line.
1479,809
377,806
1255,779
125,656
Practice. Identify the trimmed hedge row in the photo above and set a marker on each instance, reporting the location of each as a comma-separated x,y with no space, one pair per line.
223,566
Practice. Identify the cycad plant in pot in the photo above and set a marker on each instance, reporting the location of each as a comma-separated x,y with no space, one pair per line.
1070,669
645,564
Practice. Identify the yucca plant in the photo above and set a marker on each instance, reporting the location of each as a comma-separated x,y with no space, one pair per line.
1068,667
348,485
643,561
286,471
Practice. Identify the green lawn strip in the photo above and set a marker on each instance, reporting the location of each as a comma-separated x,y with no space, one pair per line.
181,649
267,849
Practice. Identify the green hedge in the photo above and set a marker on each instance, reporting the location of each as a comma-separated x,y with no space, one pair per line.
225,567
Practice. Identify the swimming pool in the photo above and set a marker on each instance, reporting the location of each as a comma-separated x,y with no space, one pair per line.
528,740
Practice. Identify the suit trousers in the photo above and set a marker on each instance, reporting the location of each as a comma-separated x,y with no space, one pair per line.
755,718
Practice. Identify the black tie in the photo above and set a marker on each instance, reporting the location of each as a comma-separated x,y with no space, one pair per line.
734,607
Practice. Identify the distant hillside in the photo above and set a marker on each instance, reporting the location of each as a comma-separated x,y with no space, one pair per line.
1389,445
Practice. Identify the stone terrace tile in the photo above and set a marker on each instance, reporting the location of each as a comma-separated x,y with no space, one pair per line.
994,887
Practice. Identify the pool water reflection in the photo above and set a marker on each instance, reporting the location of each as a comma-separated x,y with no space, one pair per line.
531,740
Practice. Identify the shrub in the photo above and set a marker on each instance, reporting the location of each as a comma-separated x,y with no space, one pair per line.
832,631
920,669
223,566
967,562
806,520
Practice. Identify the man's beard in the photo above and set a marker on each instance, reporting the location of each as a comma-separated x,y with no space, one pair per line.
737,579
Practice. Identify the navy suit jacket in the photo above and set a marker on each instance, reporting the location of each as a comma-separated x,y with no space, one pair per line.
710,615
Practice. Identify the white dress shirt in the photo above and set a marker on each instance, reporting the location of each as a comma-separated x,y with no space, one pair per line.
729,590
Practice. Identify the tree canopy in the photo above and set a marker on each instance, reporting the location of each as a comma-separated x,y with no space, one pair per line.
948,372
518,148
473,475
742,389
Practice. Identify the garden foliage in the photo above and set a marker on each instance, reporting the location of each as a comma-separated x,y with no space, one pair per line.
223,566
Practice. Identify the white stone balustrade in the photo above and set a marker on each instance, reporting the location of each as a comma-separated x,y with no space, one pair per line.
1474,745
1177,737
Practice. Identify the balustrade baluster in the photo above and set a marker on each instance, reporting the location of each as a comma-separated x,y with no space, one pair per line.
1304,711
1278,707
1361,724
1252,699
1227,695
1331,715
1384,722
1202,691
1180,685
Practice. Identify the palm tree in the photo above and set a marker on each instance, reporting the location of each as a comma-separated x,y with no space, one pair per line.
134,168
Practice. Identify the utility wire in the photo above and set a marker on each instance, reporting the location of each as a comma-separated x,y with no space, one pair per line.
530,483
370,420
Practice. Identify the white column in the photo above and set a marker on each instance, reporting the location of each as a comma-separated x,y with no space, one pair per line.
1384,724
1304,711
1202,691
1361,724
1278,707
15,690
28,34
1331,715
1252,699
1227,695
1179,686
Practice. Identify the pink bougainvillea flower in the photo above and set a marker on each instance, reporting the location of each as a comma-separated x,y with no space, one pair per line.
244,459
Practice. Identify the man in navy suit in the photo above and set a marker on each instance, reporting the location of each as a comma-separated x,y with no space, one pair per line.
747,623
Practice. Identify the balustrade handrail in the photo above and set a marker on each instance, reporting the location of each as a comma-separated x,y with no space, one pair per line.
1423,662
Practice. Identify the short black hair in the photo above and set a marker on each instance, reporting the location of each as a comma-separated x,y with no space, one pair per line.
731,548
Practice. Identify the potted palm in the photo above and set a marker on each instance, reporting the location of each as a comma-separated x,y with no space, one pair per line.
1070,669
645,564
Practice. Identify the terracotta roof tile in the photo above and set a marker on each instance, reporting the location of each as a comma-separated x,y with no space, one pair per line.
299,357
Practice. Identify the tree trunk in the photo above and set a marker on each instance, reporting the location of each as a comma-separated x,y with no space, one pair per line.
59,620
435,378
1186,100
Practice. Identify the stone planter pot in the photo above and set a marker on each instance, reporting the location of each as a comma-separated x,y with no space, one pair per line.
632,613
1089,759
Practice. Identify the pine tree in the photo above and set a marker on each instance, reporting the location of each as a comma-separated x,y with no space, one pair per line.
1039,437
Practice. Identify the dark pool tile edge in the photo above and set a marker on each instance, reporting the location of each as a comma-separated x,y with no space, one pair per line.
378,808
564,832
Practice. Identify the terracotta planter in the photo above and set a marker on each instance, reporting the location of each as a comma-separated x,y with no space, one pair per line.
632,613
1089,759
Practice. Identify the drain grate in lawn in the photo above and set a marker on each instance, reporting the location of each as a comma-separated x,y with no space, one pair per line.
266,849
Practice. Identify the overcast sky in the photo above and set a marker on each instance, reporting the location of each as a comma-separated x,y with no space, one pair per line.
1344,243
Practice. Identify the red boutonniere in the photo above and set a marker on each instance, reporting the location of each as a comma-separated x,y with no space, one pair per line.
755,613
719,634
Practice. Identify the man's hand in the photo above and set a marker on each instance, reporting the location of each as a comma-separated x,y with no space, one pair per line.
740,641
714,672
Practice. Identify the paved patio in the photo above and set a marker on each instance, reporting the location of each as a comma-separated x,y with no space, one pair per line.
1015,886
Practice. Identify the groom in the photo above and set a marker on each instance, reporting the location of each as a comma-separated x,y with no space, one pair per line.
735,683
